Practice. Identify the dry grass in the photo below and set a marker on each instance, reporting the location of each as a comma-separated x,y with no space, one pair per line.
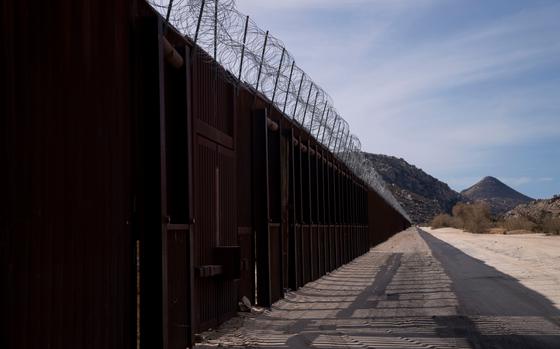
475,218
517,223
547,224
551,225
442,221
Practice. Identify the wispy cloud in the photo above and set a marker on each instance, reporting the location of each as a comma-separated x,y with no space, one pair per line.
456,88
417,71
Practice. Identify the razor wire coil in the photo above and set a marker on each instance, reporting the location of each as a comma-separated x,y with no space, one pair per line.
255,57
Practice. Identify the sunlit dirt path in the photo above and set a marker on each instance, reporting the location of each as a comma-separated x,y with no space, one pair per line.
416,290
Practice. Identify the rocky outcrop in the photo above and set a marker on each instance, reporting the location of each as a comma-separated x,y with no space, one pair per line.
420,194
537,210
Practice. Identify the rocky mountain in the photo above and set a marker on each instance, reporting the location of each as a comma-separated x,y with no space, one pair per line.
496,194
537,210
420,194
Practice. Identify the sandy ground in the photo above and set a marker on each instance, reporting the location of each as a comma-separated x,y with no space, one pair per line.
532,259
442,289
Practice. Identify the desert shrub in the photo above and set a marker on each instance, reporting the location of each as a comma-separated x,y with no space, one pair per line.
442,221
551,225
517,223
475,218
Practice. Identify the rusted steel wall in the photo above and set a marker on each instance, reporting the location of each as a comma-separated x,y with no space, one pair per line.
325,222
244,183
66,250
384,222
294,210
124,170
215,228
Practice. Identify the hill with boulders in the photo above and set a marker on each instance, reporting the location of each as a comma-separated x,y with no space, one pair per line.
421,195
537,210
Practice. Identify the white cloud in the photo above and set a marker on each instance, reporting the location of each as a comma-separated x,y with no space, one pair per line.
435,66
449,102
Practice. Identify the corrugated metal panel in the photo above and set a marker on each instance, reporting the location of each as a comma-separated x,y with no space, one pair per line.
227,196
244,202
299,255
205,239
275,263
66,247
216,225
177,276
321,247
225,108
214,95
227,289
204,89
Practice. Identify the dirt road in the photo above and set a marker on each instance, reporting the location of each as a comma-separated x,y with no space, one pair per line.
435,289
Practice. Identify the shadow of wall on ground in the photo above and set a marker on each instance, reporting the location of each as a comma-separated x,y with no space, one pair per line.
405,300
496,310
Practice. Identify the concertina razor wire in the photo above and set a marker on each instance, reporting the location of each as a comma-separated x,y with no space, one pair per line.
255,57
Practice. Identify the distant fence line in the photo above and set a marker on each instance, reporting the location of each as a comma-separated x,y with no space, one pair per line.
260,60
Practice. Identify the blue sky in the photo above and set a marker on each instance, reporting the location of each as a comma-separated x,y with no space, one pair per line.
460,88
